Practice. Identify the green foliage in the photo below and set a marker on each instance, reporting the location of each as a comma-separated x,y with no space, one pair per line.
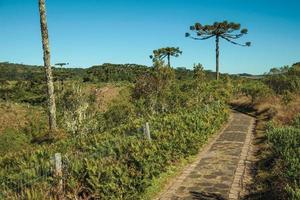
118,166
296,122
76,111
285,144
116,72
32,92
105,153
282,82
12,140
154,90
255,89
167,52
119,113
284,79
198,73
223,29
287,97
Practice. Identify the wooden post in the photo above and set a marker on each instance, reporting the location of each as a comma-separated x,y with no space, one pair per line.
147,131
58,175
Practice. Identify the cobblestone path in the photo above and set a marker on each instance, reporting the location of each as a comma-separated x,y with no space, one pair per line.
219,168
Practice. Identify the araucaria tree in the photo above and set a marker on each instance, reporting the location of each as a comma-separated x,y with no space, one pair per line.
224,30
48,71
167,52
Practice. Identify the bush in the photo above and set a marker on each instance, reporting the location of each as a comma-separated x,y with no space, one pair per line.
285,144
119,114
107,156
255,90
12,141
121,163
76,111
282,83
154,89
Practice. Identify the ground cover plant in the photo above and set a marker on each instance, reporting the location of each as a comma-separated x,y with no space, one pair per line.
105,153
274,99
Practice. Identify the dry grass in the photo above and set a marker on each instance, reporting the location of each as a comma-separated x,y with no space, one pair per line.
105,95
272,107
17,116
12,115
261,159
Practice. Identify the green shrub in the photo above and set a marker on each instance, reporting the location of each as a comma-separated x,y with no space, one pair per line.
281,83
285,144
119,163
107,156
119,114
296,122
12,140
255,90
76,111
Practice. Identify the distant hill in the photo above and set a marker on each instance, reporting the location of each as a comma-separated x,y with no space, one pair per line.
13,71
250,76
100,73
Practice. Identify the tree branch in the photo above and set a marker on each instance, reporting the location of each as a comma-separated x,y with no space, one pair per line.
203,38
243,45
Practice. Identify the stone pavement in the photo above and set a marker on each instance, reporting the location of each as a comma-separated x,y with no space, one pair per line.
218,171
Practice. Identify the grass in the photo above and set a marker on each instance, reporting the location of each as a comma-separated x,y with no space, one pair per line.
265,110
159,184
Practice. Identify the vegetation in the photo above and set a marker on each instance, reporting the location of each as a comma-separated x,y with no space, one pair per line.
285,145
218,30
160,54
275,100
104,149
98,115
105,152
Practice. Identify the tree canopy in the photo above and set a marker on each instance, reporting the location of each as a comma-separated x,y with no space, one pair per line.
167,52
225,30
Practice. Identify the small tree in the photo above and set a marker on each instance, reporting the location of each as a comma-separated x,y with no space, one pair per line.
198,72
166,52
61,76
218,30
48,71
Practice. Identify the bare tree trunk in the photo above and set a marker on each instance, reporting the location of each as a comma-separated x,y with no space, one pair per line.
49,78
169,63
217,57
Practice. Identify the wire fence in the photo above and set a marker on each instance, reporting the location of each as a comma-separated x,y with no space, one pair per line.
51,179
23,184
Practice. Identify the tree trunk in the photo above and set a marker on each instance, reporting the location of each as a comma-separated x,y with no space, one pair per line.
48,71
169,63
217,57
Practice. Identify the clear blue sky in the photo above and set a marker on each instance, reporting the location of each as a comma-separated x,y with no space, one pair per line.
89,32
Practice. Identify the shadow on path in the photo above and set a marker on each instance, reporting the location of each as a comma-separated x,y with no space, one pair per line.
206,196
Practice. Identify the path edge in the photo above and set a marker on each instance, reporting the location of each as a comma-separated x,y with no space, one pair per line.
175,182
237,184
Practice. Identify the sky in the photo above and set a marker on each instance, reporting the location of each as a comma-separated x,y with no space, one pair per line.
91,32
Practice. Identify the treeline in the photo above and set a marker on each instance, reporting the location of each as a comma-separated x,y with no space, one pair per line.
22,72
26,83
106,72
284,79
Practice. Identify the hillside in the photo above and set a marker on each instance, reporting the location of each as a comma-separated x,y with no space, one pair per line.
101,112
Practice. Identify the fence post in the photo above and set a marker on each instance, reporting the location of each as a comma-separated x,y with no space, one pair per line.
58,175
147,131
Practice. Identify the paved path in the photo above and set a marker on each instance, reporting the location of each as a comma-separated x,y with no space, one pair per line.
219,168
